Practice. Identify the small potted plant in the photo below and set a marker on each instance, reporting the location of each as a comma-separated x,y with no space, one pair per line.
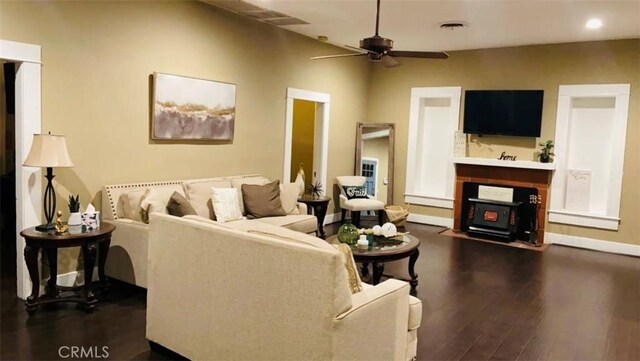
546,151
74,211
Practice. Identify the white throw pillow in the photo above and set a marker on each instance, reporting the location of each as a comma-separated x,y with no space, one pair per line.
198,193
155,200
226,204
130,202
289,198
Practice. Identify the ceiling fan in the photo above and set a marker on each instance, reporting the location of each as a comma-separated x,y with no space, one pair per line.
378,49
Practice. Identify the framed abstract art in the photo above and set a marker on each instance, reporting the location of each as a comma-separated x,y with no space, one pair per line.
187,108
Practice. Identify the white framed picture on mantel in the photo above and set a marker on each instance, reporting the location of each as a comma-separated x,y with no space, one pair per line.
460,144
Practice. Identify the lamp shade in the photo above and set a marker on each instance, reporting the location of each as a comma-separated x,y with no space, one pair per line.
48,150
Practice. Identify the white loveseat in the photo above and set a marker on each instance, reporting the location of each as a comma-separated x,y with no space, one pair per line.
127,259
259,292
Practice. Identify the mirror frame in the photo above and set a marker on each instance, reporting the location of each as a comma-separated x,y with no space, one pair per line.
358,161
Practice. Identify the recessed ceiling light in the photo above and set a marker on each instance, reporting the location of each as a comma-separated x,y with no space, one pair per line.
594,24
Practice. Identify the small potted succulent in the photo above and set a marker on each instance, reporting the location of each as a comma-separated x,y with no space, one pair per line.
74,211
546,151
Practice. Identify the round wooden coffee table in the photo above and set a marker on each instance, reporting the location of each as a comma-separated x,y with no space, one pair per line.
381,251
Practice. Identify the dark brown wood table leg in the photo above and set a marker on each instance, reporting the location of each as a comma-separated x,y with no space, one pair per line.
103,250
365,269
378,269
321,212
414,276
89,254
31,258
51,289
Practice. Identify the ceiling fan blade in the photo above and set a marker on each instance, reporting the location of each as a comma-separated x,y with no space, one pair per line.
389,61
420,54
336,56
357,49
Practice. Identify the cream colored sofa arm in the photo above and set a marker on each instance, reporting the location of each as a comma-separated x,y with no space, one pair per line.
302,208
127,257
379,316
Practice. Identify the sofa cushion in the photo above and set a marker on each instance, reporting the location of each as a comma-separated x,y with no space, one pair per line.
208,221
179,206
265,229
415,310
262,200
301,222
415,313
198,192
155,199
225,204
289,198
355,284
238,182
130,202
359,204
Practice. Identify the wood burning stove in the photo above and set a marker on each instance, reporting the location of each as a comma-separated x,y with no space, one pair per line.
497,226
493,219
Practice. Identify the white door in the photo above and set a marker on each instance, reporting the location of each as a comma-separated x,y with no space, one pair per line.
370,172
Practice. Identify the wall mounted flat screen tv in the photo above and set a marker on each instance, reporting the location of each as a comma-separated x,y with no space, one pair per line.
503,112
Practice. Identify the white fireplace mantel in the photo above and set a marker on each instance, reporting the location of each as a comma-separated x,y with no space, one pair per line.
505,163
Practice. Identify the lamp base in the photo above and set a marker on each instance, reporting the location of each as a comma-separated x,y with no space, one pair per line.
46,227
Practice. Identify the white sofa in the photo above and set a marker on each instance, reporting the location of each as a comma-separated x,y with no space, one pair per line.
127,259
259,292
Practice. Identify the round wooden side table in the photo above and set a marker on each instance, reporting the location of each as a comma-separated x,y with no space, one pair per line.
91,242
319,206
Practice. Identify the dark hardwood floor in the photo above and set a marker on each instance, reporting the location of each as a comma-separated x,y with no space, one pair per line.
480,302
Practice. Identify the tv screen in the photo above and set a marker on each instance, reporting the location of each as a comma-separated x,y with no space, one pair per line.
503,112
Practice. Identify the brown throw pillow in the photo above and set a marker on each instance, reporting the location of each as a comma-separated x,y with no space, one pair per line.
262,201
179,206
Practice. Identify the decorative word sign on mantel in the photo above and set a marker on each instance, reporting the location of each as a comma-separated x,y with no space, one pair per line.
505,156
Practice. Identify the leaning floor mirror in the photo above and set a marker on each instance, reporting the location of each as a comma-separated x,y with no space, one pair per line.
374,158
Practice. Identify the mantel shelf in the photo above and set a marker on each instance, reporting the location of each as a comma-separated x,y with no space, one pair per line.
505,163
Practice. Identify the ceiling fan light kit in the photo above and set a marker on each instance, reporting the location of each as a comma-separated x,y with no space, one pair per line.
379,49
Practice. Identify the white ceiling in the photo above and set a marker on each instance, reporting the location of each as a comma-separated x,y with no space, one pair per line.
413,25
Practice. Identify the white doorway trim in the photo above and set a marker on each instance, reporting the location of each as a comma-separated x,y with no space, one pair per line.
28,121
323,102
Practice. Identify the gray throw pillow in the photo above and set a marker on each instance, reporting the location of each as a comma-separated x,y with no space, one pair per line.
179,206
262,200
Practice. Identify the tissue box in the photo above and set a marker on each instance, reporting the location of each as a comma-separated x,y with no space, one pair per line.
91,220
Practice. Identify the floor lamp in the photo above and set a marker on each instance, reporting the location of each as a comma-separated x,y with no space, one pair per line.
48,151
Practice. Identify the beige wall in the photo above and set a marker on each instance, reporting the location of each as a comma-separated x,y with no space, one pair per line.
303,137
98,57
531,67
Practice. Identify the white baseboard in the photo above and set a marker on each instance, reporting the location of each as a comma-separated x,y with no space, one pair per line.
592,244
332,218
70,279
430,220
